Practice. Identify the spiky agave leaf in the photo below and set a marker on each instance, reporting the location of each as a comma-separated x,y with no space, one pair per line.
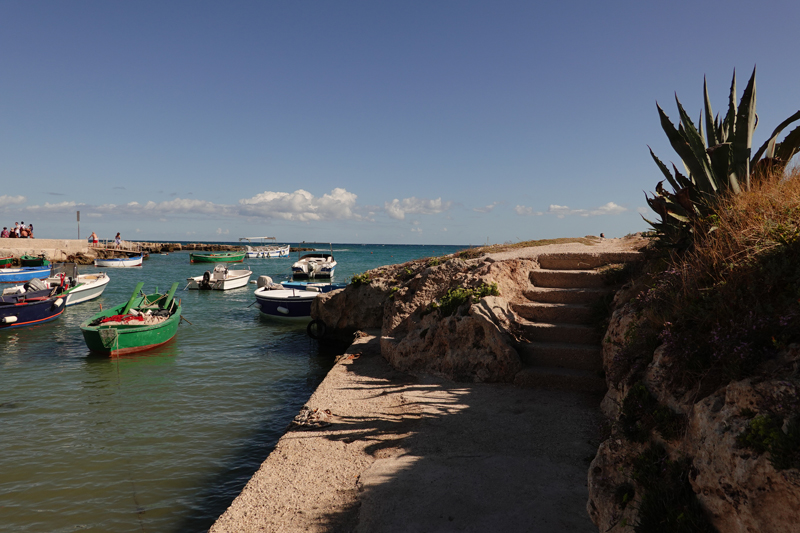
743,134
703,175
712,137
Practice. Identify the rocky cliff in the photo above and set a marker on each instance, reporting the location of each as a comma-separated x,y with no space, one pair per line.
693,457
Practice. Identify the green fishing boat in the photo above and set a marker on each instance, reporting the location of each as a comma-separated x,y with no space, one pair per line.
34,260
144,322
6,262
218,257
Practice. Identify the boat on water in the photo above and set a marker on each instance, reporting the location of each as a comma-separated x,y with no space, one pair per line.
79,287
315,265
217,257
120,262
23,274
262,250
144,322
318,286
30,304
6,262
220,279
285,303
34,260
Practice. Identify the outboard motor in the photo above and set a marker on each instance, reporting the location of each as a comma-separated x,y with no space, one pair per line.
35,285
206,283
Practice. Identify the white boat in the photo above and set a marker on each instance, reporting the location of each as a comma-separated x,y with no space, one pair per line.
80,287
314,265
220,279
116,262
264,250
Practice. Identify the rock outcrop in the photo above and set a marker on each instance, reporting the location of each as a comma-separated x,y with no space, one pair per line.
737,488
473,319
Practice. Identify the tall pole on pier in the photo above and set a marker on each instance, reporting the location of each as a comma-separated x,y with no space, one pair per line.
79,225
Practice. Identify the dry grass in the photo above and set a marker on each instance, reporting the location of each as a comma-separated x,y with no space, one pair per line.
731,301
749,227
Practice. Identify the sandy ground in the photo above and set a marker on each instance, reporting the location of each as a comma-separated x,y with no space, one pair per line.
404,453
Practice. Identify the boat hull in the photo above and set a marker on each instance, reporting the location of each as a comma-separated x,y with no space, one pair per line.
29,309
88,288
119,262
285,303
234,279
127,339
268,252
6,262
237,257
33,261
21,275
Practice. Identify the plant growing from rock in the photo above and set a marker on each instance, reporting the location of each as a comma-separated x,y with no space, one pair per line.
717,161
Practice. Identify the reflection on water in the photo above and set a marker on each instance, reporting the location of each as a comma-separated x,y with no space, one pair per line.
161,440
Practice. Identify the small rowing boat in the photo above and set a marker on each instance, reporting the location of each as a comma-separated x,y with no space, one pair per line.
144,322
218,257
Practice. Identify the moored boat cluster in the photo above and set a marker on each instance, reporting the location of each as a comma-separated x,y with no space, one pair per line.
40,293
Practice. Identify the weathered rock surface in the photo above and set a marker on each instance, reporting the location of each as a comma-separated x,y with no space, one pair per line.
477,340
739,490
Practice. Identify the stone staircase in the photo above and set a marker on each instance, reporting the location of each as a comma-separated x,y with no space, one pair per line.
562,345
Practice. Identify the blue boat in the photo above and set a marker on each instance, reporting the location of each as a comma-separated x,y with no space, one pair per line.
21,275
31,307
285,303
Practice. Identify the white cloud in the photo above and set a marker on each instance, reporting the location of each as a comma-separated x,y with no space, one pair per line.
11,200
61,206
301,205
417,229
220,231
398,209
486,209
608,209
522,210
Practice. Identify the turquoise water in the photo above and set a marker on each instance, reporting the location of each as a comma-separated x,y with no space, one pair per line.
163,440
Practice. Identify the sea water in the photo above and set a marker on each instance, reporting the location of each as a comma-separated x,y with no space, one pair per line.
163,440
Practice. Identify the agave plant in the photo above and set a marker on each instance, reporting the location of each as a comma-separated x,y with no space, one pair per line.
717,161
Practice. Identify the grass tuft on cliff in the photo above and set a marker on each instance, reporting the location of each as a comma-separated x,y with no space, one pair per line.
732,300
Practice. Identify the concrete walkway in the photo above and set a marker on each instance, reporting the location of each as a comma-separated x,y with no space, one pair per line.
422,454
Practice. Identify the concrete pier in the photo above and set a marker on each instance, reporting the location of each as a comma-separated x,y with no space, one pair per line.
53,249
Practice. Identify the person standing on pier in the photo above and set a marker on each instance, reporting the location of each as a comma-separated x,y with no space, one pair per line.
117,241
93,239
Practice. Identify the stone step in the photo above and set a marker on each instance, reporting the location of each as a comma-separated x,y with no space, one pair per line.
568,279
566,296
584,357
555,313
585,261
567,333
560,379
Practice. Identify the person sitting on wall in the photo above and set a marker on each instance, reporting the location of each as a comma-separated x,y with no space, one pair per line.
4,233
30,231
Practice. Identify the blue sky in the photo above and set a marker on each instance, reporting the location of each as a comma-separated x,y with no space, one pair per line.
436,122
